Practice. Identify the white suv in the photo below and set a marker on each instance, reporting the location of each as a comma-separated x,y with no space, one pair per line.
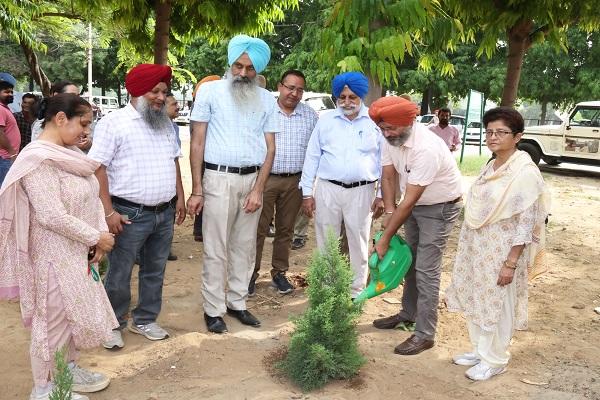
576,140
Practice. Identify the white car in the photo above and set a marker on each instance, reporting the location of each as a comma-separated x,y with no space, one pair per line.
474,132
320,102
184,117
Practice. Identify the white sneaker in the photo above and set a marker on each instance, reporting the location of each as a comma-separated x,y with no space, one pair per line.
115,342
87,381
45,395
467,359
483,372
151,331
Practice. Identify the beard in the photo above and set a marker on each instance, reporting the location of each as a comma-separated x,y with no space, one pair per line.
244,91
349,110
157,119
398,141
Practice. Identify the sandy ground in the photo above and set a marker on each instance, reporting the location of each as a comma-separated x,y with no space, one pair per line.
558,357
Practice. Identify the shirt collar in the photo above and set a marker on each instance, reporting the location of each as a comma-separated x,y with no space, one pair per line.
132,112
362,113
299,110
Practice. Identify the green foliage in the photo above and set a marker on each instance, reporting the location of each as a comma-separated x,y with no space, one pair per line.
471,165
63,378
324,345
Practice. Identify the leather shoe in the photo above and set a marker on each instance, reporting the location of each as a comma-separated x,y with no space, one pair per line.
390,322
215,324
413,345
244,317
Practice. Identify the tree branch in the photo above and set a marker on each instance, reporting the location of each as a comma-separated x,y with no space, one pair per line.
62,15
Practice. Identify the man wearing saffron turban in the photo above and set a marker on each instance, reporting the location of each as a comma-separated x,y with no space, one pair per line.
343,156
431,185
234,122
142,194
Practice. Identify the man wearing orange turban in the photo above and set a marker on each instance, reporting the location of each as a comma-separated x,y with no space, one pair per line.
431,185
142,194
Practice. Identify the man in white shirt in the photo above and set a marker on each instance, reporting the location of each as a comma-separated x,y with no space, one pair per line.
344,153
142,195
233,136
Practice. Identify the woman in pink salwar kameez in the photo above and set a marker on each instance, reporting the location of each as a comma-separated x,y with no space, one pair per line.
51,219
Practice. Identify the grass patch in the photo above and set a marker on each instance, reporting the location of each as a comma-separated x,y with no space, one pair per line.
472,165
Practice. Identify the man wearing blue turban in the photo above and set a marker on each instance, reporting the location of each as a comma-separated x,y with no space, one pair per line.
344,152
232,150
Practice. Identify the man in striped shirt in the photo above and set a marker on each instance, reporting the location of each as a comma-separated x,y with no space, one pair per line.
282,196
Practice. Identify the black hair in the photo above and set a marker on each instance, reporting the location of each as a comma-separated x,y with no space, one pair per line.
508,115
444,109
170,94
6,85
59,87
29,96
295,72
71,104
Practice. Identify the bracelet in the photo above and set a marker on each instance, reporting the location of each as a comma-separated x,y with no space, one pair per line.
110,215
389,212
510,264
14,155
197,194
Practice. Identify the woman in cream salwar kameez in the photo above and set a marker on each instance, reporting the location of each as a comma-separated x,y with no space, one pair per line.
502,233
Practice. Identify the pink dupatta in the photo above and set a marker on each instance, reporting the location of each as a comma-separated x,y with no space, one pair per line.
16,270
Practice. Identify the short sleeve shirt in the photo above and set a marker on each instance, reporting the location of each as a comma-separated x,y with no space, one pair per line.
11,130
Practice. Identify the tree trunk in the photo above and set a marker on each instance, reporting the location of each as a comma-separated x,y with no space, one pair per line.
36,69
375,90
518,44
161,34
425,101
544,113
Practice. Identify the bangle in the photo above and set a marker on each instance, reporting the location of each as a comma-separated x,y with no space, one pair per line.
110,215
389,212
510,264
197,194
14,155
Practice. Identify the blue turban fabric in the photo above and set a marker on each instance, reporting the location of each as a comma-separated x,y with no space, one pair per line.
257,50
356,81
6,77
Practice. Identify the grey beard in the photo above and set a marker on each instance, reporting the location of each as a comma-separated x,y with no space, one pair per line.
398,141
244,92
157,119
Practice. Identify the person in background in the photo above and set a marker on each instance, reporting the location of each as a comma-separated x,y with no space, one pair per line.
26,117
172,108
501,238
52,235
10,137
448,133
58,87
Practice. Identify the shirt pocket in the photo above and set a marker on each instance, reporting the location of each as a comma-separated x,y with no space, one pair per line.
369,143
255,121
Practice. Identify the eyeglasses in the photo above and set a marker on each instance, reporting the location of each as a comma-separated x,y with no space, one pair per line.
296,89
500,133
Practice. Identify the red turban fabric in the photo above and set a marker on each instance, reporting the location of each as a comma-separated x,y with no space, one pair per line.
393,110
143,77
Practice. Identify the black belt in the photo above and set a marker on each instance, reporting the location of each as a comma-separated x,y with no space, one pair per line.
456,200
156,209
232,170
286,174
350,185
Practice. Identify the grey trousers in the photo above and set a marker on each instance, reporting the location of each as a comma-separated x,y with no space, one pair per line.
427,231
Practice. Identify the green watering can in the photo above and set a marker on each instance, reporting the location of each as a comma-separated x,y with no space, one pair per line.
387,274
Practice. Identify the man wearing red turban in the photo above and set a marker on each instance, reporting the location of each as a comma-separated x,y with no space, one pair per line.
431,185
142,194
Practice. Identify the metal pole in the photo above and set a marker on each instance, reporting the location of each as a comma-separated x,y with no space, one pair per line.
89,60
462,148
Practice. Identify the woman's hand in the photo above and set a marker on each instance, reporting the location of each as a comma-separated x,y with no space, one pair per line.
105,242
99,253
506,276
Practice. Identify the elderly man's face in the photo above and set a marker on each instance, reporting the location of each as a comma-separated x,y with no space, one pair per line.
172,107
395,135
157,96
243,67
348,102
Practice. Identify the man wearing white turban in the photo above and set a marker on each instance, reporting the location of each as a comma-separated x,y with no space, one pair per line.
233,126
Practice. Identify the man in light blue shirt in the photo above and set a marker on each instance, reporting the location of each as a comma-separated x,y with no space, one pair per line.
344,153
233,127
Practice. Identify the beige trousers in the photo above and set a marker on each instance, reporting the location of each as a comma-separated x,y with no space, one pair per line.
335,204
492,346
229,241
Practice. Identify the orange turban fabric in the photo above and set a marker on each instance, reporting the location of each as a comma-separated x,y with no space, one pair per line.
204,80
394,110
143,77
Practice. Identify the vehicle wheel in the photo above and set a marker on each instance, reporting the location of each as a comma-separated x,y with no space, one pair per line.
551,161
533,151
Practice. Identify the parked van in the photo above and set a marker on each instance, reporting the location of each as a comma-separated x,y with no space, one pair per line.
107,104
576,140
